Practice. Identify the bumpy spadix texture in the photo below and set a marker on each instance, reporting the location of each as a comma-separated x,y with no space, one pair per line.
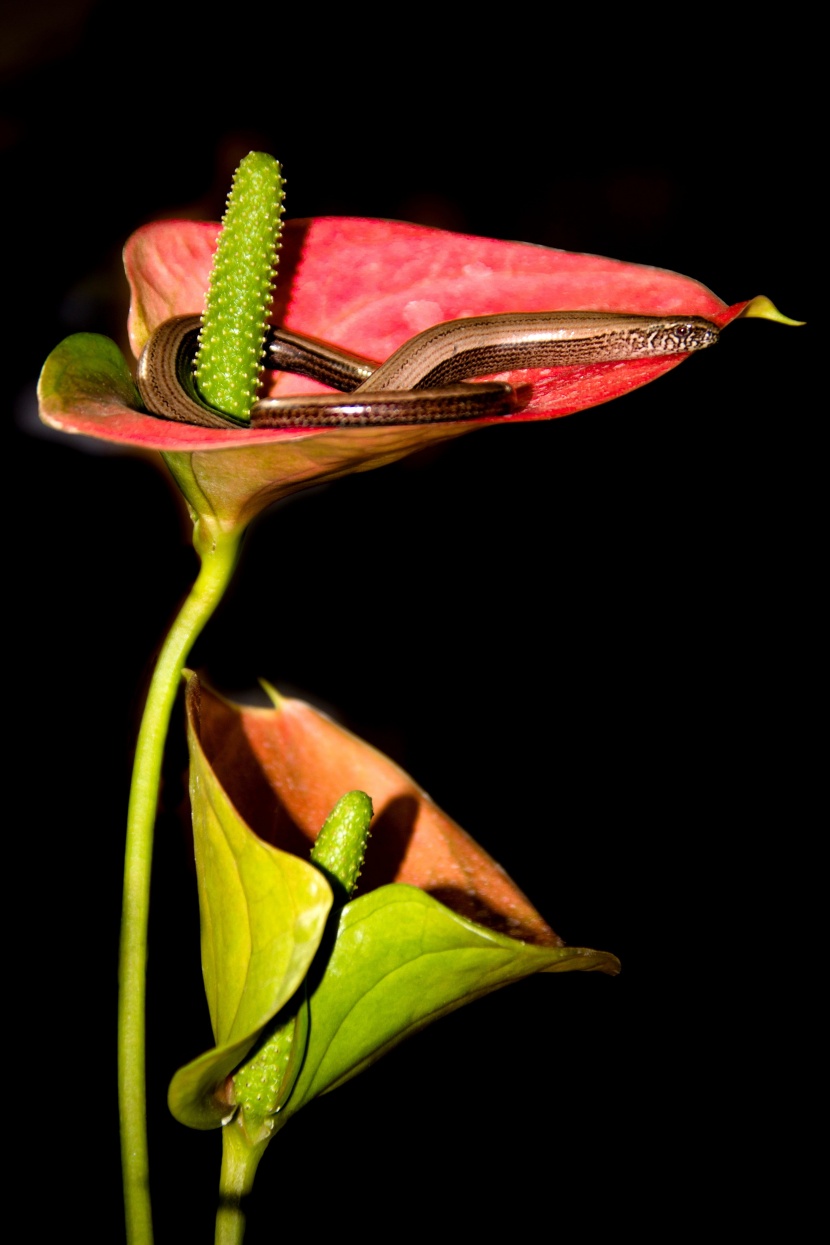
229,358
341,844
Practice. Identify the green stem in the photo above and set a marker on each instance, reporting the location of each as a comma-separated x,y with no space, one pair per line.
239,1163
219,553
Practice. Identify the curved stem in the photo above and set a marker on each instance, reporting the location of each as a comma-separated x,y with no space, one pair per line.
239,1163
219,555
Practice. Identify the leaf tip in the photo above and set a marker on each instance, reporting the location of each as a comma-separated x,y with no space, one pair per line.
271,692
763,308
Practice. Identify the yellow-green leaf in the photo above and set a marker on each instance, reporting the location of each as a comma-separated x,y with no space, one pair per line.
263,912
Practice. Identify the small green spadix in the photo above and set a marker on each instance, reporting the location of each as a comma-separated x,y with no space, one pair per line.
229,358
341,844
263,1083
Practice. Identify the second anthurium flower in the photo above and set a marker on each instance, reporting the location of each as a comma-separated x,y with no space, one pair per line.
434,924
366,286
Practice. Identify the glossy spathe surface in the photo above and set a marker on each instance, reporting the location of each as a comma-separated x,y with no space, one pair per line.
367,286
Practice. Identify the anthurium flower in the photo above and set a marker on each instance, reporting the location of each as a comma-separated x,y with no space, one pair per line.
435,921
367,286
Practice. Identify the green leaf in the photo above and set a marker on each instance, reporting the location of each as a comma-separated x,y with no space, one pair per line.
399,961
88,373
263,912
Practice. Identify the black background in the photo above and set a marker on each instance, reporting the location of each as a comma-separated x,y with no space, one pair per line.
590,640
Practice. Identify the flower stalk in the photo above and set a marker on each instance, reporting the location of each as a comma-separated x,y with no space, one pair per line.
219,553
239,1163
